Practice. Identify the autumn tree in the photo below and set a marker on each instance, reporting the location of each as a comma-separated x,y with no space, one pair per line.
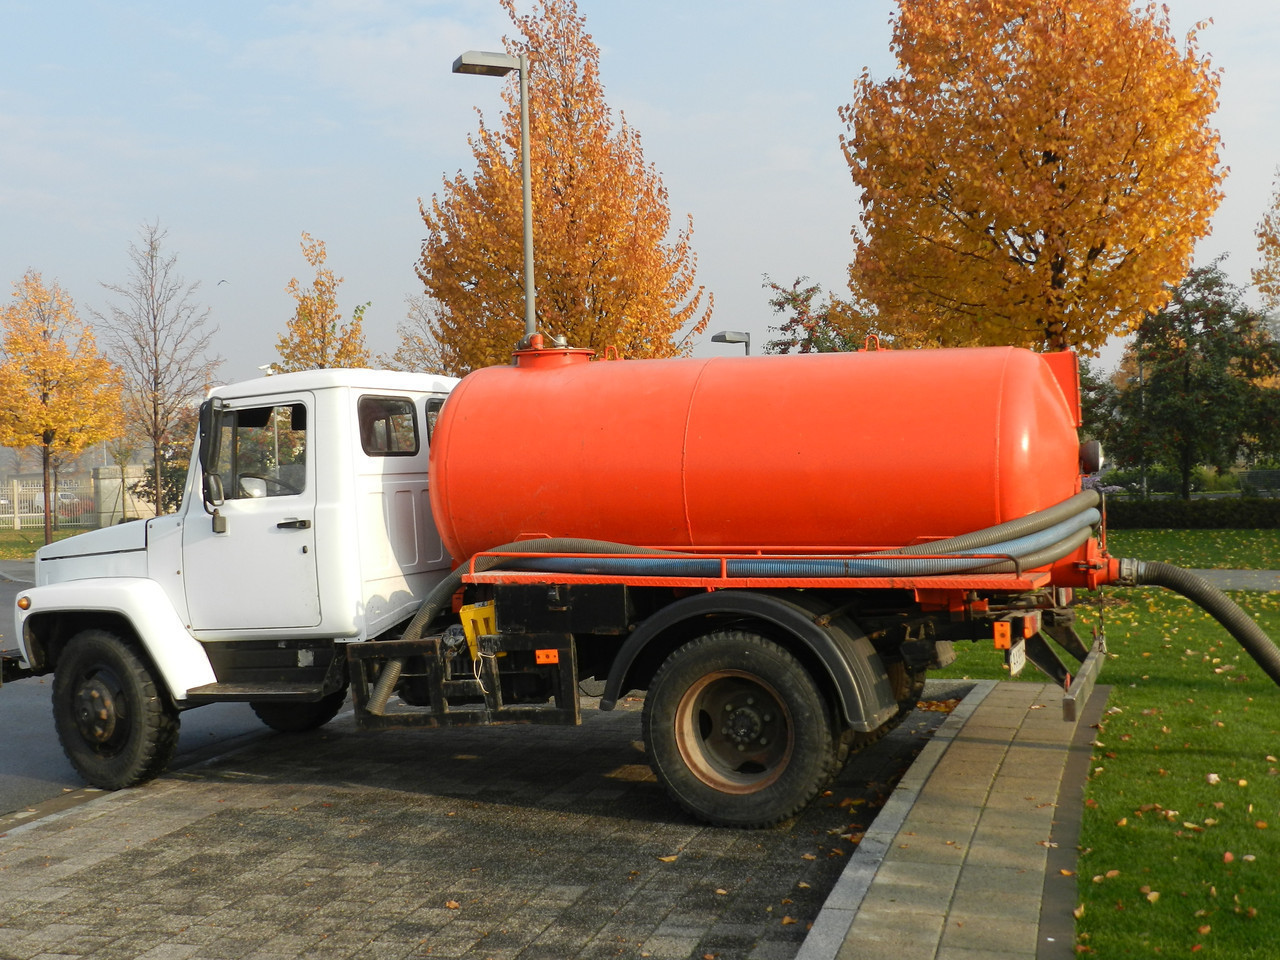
812,322
316,337
607,272
1201,386
418,348
1267,277
1035,173
59,393
160,339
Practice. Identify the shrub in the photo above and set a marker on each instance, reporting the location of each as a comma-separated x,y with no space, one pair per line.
1243,513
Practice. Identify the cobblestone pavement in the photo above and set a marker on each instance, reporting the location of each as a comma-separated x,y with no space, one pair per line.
538,843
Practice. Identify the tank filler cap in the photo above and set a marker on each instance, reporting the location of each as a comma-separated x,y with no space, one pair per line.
537,355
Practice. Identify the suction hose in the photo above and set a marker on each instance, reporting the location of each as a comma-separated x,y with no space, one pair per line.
1218,605
1069,511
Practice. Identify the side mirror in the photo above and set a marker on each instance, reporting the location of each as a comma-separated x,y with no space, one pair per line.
211,482
210,436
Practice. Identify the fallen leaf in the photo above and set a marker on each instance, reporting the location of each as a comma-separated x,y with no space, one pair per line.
1067,873
1078,912
1228,857
808,856
452,904
1153,896
722,892
671,859
1203,930
788,920
1212,778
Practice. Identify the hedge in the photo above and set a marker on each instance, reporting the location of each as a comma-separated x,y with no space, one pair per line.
1244,513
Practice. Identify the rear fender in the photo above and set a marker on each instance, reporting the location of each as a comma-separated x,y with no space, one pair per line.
846,657
135,605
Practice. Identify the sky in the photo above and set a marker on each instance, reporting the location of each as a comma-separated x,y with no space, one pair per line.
240,125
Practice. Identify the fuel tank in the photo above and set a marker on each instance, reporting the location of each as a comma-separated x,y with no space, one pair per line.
810,453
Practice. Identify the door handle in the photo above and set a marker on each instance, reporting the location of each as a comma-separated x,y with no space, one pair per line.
293,525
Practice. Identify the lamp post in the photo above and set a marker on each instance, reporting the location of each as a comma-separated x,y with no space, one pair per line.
733,336
485,64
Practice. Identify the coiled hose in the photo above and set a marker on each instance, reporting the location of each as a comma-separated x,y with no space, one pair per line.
1219,606
1075,512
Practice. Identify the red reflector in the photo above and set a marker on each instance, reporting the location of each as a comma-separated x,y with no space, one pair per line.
546,656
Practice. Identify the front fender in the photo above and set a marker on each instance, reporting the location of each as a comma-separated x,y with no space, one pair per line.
136,604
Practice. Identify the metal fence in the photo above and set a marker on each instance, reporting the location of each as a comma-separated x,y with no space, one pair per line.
73,505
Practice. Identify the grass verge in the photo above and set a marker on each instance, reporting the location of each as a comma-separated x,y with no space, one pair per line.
23,544
1200,549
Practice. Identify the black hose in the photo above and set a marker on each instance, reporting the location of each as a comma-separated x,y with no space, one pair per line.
970,542
1010,529
1219,606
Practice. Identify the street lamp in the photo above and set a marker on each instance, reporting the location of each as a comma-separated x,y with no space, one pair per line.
733,336
485,64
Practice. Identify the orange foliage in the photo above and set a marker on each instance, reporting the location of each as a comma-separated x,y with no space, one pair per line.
1035,174
605,273
316,338
1267,277
59,393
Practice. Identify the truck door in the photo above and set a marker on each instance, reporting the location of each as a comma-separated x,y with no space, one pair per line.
261,573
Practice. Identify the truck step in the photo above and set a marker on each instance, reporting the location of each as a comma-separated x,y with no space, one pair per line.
243,692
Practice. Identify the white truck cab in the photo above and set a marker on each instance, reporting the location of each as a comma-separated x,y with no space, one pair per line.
309,526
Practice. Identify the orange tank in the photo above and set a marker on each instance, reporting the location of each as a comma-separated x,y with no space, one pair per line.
800,453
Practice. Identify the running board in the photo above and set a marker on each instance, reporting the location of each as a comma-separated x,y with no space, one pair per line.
244,692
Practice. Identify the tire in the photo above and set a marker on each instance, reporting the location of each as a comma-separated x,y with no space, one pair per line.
115,725
295,717
737,731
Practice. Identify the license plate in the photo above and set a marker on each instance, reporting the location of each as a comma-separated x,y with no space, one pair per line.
1016,657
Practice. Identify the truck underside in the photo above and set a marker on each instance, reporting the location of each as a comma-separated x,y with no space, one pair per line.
757,688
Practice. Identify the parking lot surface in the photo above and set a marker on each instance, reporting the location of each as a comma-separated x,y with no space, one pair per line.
508,842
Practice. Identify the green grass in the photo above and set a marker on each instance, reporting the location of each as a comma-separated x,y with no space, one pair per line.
1170,862
22,544
1200,549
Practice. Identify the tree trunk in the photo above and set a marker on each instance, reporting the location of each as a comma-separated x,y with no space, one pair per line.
155,470
46,464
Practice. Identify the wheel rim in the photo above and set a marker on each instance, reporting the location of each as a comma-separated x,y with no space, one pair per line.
734,732
100,710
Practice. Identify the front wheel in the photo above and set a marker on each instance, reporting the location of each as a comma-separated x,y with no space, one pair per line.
114,724
737,731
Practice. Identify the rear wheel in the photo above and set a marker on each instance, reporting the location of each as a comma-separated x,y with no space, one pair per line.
115,726
737,730
299,717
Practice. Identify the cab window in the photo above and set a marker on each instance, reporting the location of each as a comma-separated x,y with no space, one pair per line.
263,452
388,426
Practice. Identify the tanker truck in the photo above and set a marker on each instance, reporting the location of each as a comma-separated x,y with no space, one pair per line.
775,550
